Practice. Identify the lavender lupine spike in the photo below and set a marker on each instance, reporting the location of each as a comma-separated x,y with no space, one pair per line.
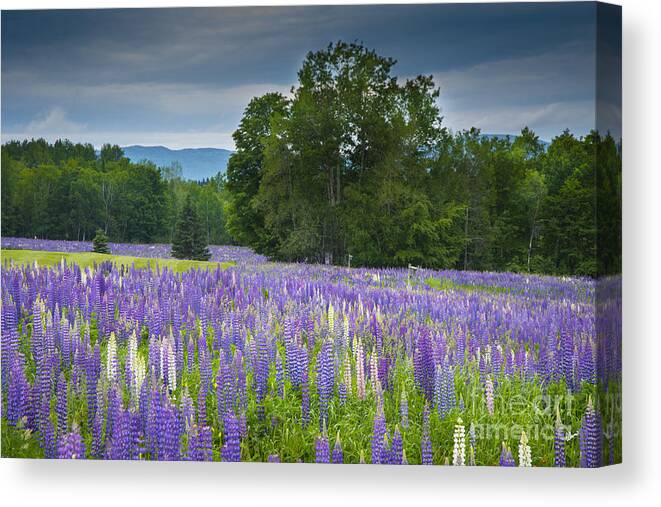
590,438
378,433
559,441
489,395
322,451
305,395
396,448
506,458
386,455
18,392
425,444
279,381
71,446
404,410
337,451
62,405
231,450
325,380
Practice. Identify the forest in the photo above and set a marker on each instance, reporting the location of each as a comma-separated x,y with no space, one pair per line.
67,191
355,167
357,163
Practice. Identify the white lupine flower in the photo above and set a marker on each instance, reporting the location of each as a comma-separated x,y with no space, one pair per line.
374,371
360,369
139,375
133,350
489,394
331,318
525,453
459,449
347,372
111,357
172,367
345,332
161,360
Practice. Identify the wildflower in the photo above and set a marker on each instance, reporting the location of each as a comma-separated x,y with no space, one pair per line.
525,455
459,448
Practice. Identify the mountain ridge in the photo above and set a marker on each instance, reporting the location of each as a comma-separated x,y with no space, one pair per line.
196,163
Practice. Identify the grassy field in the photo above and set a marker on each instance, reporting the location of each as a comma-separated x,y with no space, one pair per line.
85,259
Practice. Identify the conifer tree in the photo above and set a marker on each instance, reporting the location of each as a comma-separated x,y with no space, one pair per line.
189,240
100,242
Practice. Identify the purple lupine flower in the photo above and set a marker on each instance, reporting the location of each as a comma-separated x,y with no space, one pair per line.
231,450
18,392
488,390
506,458
378,434
279,381
342,393
568,358
337,451
590,438
396,448
404,410
47,432
200,444
305,396
61,407
325,380
425,444
559,445
322,450
97,436
273,458
202,406
71,446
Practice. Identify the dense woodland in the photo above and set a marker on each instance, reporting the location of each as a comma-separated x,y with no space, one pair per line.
356,163
67,191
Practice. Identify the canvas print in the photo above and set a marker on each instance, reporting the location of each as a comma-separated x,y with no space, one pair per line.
377,234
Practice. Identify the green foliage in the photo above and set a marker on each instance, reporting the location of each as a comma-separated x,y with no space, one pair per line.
19,441
189,241
100,243
357,163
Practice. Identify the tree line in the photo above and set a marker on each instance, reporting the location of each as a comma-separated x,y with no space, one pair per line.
68,191
357,163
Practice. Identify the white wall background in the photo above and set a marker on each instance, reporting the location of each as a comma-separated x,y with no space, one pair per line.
636,482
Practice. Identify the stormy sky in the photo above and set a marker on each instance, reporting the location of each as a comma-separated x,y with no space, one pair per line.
182,77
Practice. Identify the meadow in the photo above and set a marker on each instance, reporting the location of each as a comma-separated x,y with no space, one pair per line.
240,359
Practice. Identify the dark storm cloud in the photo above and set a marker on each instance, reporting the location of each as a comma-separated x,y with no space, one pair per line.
183,76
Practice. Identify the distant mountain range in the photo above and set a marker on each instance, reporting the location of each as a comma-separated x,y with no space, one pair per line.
196,163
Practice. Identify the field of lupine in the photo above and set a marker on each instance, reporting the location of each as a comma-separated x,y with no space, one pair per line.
305,363
238,254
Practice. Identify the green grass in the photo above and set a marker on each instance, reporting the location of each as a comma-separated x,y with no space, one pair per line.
445,284
84,259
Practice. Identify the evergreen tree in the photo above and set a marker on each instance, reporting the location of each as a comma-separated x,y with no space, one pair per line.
100,242
189,242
